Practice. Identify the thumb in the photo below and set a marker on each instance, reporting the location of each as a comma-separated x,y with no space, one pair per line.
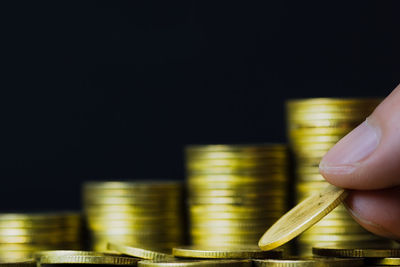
368,158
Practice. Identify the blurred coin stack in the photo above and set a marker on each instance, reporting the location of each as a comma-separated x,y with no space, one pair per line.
22,234
142,214
314,126
235,192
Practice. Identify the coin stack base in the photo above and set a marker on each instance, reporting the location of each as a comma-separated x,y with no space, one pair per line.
141,214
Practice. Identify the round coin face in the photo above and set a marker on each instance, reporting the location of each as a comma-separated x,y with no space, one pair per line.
240,252
356,252
196,263
302,217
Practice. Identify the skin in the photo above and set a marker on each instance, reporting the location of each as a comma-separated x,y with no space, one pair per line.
374,181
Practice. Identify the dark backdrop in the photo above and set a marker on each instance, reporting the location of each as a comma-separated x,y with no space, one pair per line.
115,89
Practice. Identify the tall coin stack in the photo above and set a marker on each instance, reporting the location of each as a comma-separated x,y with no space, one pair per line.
314,126
235,192
22,234
141,214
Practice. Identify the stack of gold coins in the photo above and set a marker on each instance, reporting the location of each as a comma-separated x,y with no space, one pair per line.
314,126
235,191
23,234
142,214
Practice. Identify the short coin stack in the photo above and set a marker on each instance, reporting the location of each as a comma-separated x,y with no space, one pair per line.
144,214
235,191
314,126
23,234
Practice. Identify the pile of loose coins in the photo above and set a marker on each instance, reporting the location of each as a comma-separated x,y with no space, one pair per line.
235,191
239,256
149,214
314,126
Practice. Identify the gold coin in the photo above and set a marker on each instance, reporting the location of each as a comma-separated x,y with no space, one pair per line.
300,132
48,238
331,230
302,217
273,171
308,262
131,192
196,263
101,244
4,262
40,231
227,231
133,201
228,224
133,185
206,242
73,259
39,216
209,217
338,238
277,195
383,261
139,252
61,253
242,252
130,209
340,103
356,252
60,224
138,240
101,226
142,232
239,148
233,161
232,178
9,247
233,201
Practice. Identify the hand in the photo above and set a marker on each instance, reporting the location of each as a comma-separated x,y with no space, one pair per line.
367,161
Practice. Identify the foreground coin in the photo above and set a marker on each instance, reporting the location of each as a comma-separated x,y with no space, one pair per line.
309,262
83,257
357,252
302,217
138,252
61,253
196,263
239,252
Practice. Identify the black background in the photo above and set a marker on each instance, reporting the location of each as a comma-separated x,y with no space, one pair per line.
115,89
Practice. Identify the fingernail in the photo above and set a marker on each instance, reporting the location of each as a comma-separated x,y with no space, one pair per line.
351,149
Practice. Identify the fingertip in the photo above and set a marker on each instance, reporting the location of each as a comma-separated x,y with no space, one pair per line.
377,211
